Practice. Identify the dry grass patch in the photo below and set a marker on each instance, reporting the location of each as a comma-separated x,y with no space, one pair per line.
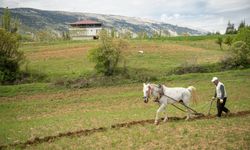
62,53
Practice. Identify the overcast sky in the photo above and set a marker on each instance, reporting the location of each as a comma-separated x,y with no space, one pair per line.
209,15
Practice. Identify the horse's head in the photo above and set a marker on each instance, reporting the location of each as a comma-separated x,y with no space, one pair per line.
146,92
152,89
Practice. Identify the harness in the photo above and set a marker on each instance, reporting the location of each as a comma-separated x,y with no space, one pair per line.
161,94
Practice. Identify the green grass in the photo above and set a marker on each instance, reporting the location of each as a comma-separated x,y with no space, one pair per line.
54,45
42,109
68,59
191,38
47,113
26,89
201,134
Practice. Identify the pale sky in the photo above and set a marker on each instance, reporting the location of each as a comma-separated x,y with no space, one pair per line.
208,15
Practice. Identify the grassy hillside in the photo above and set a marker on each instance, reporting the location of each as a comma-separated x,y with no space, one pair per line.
41,109
69,59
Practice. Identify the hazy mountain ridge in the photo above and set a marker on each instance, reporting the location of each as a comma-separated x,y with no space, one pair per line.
34,19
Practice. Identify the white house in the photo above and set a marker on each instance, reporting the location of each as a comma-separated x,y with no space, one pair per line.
85,29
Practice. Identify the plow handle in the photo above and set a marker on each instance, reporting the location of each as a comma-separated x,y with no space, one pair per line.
210,107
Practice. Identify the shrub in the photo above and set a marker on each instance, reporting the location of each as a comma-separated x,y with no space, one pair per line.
195,68
219,41
46,36
243,35
228,40
10,57
240,53
108,54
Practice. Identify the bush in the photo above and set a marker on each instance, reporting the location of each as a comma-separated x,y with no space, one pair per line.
219,41
228,40
240,53
10,57
243,35
46,36
108,54
195,68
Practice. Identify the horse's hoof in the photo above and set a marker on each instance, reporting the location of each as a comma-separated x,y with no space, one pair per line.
165,120
156,122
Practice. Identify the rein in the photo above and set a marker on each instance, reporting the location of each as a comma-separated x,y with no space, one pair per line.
162,94
181,103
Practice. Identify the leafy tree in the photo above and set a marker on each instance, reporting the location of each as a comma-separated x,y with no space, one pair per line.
113,31
240,52
7,23
230,28
126,35
156,34
242,25
228,40
108,54
244,35
10,57
142,35
217,33
6,20
46,35
65,36
219,41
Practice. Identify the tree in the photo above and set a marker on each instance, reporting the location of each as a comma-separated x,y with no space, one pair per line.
142,35
46,35
217,33
156,34
228,40
15,26
7,23
10,57
113,31
242,25
108,54
240,53
243,35
6,20
65,35
230,28
219,41
126,35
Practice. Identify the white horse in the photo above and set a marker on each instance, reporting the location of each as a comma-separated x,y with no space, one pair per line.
165,95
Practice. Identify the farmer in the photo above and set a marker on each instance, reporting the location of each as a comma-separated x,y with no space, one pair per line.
221,96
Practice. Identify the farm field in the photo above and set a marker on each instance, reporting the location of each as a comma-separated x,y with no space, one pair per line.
42,109
69,60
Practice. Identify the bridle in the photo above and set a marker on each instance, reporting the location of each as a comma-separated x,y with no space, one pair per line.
149,93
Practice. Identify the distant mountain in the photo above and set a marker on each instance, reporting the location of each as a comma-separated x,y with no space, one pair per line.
35,19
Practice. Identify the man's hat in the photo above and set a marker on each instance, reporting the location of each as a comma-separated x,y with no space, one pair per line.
214,79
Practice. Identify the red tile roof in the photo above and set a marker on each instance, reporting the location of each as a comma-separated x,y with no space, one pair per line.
85,22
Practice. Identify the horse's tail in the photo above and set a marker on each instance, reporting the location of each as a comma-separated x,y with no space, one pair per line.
192,90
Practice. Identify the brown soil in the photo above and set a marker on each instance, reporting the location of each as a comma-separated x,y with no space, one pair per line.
63,53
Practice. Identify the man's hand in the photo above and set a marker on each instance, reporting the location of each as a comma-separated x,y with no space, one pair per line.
213,98
221,100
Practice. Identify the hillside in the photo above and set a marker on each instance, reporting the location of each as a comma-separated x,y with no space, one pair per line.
34,19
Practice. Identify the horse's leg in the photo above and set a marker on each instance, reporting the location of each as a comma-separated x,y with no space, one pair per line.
188,111
166,115
188,114
160,109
